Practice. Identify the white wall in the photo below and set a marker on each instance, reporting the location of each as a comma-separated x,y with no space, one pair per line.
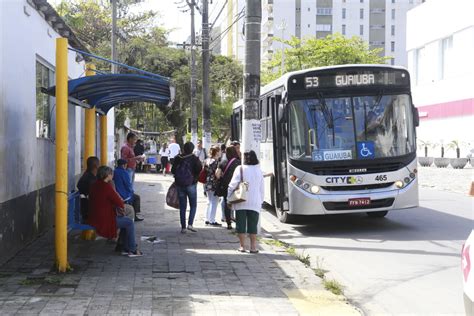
26,162
425,34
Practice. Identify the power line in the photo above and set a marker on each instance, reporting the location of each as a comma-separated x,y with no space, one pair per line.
218,15
239,16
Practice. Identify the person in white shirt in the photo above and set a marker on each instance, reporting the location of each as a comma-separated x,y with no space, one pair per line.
200,152
248,212
175,150
164,153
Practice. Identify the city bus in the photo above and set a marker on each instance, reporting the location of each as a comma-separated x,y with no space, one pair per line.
337,140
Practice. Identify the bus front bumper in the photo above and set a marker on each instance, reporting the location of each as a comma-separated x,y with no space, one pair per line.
304,203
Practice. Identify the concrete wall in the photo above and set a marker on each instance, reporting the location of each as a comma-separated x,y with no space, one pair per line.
27,163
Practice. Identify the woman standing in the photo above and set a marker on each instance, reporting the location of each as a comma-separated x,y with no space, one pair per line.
103,215
247,212
210,186
164,153
224,174
186,169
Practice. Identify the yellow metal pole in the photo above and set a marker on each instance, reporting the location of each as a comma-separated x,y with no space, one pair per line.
90,125
61,154
103,139
89,142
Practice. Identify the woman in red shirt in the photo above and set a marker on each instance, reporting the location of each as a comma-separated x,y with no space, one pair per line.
103,203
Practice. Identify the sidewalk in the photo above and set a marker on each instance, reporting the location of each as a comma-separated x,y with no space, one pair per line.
195,273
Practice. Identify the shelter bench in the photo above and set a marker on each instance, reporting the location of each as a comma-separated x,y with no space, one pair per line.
74,216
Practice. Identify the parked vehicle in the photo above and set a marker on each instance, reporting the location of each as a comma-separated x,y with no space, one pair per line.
468,277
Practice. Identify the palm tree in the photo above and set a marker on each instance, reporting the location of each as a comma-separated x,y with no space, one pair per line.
454,144
425,144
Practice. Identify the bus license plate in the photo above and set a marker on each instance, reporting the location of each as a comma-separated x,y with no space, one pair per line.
359,202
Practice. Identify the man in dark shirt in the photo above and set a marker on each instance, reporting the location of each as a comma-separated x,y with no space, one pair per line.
139,150
85,182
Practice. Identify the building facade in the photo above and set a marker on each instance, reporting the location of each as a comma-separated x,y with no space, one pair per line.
28,30
442,70
381,23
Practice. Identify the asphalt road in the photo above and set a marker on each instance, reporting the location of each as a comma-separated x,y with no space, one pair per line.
406,263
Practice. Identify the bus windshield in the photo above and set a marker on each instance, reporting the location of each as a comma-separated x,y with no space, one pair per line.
346,128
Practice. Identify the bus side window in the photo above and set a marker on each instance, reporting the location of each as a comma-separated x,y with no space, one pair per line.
270,106
263,120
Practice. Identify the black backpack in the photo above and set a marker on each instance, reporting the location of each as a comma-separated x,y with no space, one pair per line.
183,175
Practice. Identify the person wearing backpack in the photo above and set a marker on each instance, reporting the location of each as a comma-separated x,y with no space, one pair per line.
186,169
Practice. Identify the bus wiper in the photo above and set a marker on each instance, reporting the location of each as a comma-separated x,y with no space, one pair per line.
326,112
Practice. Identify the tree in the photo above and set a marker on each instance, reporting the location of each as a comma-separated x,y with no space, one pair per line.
318,52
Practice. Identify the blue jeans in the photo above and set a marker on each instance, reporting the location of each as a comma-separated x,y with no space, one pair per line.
131,173
125,223
187,192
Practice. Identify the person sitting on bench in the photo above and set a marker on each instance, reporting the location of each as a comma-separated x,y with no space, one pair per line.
85,182
104,202
123,186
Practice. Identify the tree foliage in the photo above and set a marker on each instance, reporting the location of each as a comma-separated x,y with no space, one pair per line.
145,46
318,52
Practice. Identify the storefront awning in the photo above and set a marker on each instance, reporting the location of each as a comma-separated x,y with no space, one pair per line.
107,91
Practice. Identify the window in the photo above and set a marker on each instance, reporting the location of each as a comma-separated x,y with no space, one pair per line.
343,13
343,29
393,14
446,57
323,11
420,65
323,27
309,25
361,13
361,1
392,61
393,1
309,9
44,103
361,30
393,30
392,46
377,26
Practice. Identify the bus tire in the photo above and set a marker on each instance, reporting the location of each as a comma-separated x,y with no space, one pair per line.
282,216
378,214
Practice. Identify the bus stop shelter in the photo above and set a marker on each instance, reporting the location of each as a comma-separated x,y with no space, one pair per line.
97,94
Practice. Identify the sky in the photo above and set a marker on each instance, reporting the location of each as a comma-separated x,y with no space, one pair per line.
171,16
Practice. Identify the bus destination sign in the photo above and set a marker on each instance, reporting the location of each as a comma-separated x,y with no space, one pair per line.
350,79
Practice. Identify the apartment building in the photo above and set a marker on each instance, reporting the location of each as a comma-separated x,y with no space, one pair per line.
441,66
381,23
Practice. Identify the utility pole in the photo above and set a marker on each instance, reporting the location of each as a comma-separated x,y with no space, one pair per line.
194,114
282,27
114,35
251,128
206,106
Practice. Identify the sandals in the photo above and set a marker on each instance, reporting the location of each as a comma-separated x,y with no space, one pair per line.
253,251
241,249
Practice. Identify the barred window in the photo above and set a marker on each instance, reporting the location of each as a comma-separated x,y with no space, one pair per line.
44,103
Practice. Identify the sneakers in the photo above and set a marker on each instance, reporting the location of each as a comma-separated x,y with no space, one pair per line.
135,254
183,230
229,226
207,223
190,228
138,219
215,224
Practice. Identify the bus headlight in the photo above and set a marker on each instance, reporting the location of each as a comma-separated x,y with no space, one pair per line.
399,184
315,189
304,185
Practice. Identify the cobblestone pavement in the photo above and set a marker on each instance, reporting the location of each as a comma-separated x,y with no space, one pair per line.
447,179
195,273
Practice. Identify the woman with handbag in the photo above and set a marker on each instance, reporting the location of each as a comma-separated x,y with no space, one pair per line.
247,205
210,181
224,175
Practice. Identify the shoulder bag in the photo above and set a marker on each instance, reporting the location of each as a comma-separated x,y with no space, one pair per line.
240,193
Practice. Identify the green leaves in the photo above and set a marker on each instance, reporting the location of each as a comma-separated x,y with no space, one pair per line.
316,52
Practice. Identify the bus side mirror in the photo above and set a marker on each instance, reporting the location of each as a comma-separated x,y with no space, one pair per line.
416,117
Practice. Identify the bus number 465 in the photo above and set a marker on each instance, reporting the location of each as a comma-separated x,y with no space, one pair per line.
381,177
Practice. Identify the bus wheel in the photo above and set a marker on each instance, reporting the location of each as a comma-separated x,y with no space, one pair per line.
283,216
378,214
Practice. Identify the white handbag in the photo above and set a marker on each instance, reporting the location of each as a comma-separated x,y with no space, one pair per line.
240,193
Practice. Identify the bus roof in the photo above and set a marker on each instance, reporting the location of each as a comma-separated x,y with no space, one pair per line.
283,80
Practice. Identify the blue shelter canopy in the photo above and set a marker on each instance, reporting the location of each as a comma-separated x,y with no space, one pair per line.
107,91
